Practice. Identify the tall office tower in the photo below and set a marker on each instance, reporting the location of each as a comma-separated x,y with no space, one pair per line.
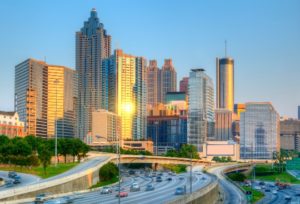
128,92
168,78
92,46
45,94
140,92
184,82
290,134
298,112
153,83
259,129
225,83
200,108
223,124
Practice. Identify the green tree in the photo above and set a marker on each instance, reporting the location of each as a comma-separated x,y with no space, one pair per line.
33,141
44,156
108,171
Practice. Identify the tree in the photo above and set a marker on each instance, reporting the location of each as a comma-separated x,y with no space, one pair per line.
33,142
65,147
44,156
108,171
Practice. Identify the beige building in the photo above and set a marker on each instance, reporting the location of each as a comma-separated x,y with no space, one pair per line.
223,123
290,134
138,145
10,125
213,149
106,127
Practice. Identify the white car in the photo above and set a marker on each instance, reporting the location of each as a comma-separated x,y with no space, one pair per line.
257,187
274,192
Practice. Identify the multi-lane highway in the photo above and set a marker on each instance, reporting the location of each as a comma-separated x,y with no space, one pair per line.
27,179
164,191
232,194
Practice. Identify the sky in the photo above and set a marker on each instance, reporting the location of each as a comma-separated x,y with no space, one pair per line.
263,37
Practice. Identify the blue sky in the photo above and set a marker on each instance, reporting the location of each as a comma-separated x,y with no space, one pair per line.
263,38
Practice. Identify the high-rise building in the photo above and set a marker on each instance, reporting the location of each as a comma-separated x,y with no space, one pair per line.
298,112
200,108
225,83
126,93
259,129
290,134
223,123
153,83
184,82
168,78
92,46
45,98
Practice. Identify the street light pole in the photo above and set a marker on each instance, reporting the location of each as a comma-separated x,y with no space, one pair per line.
191,178
55,121
119,176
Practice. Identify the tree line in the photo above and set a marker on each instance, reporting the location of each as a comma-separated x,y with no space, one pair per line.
32,151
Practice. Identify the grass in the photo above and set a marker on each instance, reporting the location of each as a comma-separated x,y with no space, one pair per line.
256,195
177,168
282,177
39,171
105,183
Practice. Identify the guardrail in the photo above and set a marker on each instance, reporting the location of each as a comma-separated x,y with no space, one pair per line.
43,185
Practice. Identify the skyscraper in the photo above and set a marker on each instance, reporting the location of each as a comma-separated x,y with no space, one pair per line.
128,92
184,82
92,46
225,83
45,94
259,129
169,78
223,125
200,108
153,83
298,112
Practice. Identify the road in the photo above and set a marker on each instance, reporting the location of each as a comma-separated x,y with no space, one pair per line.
164,191
27,179
232,194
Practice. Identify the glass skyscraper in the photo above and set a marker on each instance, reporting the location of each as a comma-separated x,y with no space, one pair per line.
200,108
45,94
259,130
92,46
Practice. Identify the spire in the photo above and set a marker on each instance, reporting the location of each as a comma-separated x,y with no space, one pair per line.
94,13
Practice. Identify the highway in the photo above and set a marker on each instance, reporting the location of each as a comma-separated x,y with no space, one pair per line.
232,194
27,179
164,191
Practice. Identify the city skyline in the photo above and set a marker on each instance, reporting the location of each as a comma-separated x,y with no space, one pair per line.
256,41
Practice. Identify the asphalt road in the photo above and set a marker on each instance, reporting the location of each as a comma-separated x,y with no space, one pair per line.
26,179
164,191
232,194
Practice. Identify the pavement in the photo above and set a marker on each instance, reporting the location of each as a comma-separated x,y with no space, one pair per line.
232,194
164,191
26,179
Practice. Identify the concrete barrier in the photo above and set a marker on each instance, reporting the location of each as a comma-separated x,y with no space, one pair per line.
208,195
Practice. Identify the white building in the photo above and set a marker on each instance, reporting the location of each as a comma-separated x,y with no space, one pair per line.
10,125
259,130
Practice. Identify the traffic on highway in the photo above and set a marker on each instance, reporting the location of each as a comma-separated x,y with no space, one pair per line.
138,187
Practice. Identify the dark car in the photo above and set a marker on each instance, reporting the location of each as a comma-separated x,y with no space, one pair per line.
158,179
150,187
131,172
180,191
169,179
267,190
12,174
261,183
9,184
42,197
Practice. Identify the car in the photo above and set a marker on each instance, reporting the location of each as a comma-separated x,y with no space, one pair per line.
297,194
106,190
267,190
160,174
9,184
117,188
181,178
158,179
287,197
150,187
42,197
134,187
257,187
62,200
261,183
12,174
274,192
131,172
122,194
169,179
180,191
203,178
17,181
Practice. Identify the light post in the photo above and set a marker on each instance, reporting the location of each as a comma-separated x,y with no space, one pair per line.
191,174
55,121
156,123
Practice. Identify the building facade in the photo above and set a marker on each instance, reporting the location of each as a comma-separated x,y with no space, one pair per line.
225,83
259,129
290,134
168,78
183,84
153,83
45,98
223,124
10,125
200,108
106,128
93,44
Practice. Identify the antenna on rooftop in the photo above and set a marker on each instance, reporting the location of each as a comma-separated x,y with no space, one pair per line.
45,59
